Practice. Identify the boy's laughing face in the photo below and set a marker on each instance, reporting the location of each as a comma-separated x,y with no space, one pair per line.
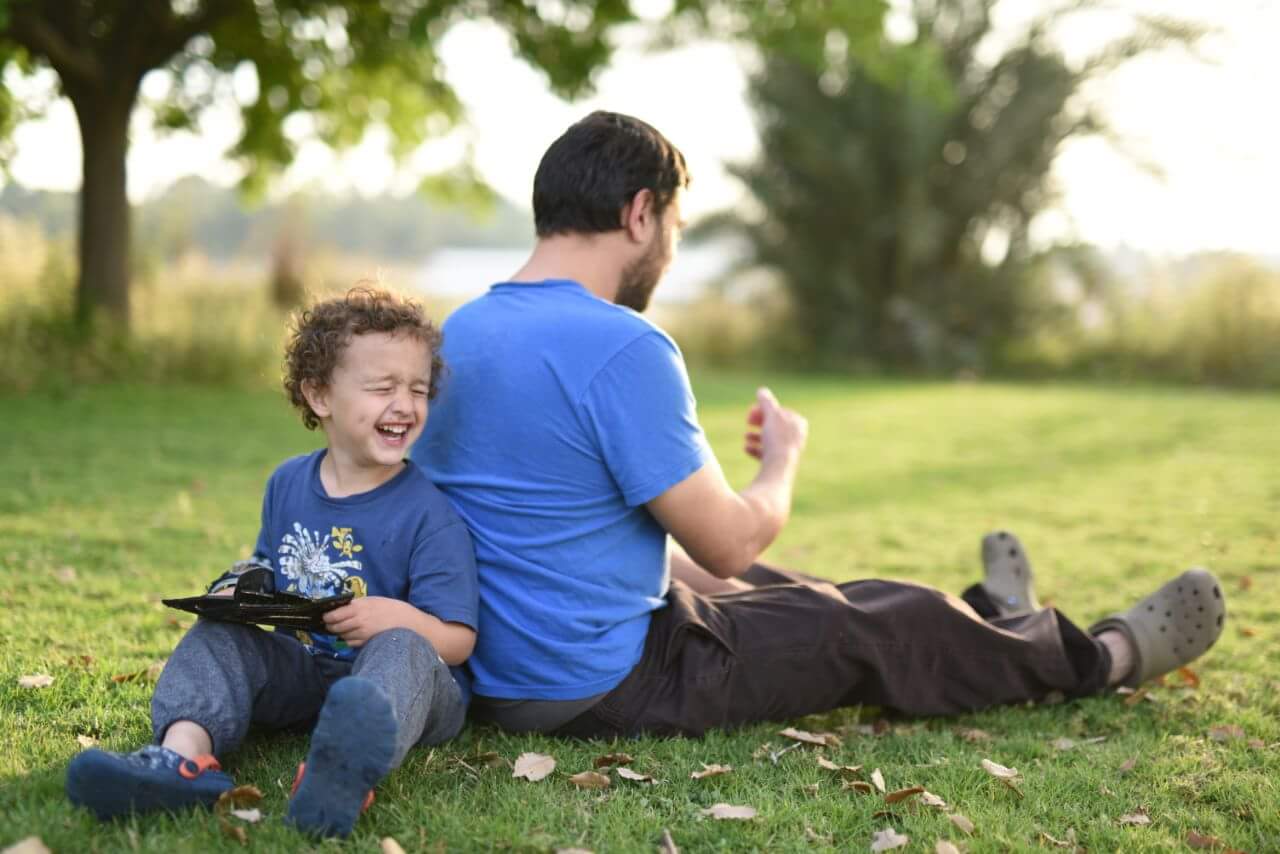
375,404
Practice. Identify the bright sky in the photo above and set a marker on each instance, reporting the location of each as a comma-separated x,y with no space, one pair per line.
1212,129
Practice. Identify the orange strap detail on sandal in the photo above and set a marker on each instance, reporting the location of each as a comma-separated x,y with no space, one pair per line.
193,768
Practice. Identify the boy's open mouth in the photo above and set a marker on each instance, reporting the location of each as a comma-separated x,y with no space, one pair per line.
393,431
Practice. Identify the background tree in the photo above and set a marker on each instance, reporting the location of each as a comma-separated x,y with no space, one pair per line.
344,65
898,184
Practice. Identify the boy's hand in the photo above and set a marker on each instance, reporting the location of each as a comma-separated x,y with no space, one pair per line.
361,619
226,591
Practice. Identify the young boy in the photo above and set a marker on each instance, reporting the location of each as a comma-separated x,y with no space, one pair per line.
354,517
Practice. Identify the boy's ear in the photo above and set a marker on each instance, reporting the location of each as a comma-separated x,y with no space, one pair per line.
317,396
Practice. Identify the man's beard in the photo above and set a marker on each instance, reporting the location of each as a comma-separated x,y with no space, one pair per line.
641,277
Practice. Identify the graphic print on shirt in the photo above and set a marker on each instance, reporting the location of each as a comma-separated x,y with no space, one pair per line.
304,560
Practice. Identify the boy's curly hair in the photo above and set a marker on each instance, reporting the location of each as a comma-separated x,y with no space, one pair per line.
319,334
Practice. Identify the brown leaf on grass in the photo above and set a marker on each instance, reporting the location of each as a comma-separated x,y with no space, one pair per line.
634,776
887,840
533,766
961,822
877,780
929,799
1256,744
590,780
811,790
390,846
65,574
1054,697
1135,697
1189,677
995,769
148,674
1248,632
1197,840
667,845
574,851
612,759
1138,819
1226,732
710,771
488,758
1246,583
902,794
1070,744
1069,842
822,739
85,661
238,797
235,831
843,770
86,740
974,736
860,786
1128,765
28,845
942,846
252,816
35,680
720,812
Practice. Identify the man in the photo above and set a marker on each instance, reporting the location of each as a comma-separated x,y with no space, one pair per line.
567,438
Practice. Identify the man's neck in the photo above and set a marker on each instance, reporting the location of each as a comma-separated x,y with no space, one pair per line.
586,259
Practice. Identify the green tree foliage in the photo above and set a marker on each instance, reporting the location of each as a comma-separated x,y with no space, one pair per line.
342,64
898,183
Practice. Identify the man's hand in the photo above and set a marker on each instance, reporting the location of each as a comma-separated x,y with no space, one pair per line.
359,620
773,430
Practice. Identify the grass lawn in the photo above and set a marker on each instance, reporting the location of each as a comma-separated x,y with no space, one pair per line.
114,497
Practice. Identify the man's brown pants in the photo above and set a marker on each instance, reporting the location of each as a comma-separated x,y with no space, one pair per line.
795,645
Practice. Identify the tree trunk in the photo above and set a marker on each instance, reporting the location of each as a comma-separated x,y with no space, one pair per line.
103,286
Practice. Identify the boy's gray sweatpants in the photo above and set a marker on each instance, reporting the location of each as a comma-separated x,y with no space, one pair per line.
227,677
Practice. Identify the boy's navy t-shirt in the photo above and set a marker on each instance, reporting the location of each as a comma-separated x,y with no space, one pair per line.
402,540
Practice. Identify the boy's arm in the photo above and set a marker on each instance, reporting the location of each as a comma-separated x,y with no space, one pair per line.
361,619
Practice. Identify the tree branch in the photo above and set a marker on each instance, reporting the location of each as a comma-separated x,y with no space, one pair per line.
181,30
39,36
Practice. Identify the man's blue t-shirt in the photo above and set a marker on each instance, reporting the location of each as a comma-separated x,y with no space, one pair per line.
560,416
401,540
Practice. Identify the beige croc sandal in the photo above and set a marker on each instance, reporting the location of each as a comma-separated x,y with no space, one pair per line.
1009,581
1172,626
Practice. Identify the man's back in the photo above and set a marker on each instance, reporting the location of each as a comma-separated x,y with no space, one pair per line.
561,416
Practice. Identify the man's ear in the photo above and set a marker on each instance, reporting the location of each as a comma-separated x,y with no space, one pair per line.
317,397
639,218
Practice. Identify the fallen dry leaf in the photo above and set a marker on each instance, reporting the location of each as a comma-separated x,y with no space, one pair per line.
533,766
489,759
35,680
811,790
235,831
613,759
1248,632
902,794
667,845
634,776
844,770
1135,697
80,661
860,786
877,780
961,822
65,574
148,674
942,846
822,739
390,846
974,736
590,780
995,769
86,740
1063,744
1226,732
28,845
1189,677
252,816
929,799
1246,583
1059,843
1136,818
574,851
240,796
1256,744
1197,840
888,839
710,771
1128,765
728,811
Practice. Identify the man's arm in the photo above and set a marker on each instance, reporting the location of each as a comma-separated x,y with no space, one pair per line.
725,531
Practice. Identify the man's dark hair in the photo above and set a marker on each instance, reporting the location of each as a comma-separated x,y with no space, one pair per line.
596,167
